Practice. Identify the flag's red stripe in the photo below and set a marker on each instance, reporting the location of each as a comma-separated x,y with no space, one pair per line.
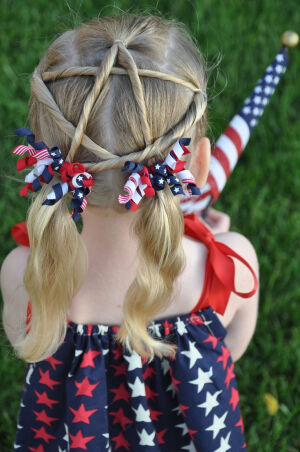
234,136
222,159
214,187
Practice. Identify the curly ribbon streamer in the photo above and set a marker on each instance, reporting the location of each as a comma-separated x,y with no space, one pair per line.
145,181
46,161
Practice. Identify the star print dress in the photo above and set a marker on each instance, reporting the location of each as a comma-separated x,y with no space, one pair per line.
94,395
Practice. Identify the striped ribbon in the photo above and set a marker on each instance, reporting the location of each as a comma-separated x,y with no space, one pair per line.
145,181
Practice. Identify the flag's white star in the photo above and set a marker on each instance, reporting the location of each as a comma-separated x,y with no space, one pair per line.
276,79
246,110
161,181
193,354
256,111
138,388
218,424
134,360
176,189
247,101
279,57
264,101
224,446
80,177
269,69
80,195
203,378
157,166
210,402
146,439
268,78
253,122
257,100
278,69
268,90
168,180
61,161
257,89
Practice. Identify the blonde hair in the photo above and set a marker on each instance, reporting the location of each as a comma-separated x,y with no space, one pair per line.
117,88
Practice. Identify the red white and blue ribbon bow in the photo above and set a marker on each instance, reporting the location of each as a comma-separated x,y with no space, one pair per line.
46,161
145,181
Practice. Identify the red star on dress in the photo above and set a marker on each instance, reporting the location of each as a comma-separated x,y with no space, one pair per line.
148,372
41,433
120,417
80,441
229,375
224,357
196,319
167,326
88,358
121,393
43,417
240,424
46,379
154,414
174,381
118,351
183,408
44,399
81,414
149,393
191,432
85,387
120,369
121,441
40,448
160,436
211,339
234,399
53,361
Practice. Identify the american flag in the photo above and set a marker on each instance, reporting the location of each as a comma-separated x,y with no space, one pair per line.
233,141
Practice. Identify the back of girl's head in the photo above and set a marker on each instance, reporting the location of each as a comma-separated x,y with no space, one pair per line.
91,98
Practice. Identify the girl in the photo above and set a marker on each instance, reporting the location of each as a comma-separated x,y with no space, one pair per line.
126,323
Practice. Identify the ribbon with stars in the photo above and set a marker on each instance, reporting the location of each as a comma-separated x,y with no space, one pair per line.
46,161
145,181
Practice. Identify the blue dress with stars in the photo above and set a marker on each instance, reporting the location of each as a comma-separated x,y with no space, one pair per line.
95,395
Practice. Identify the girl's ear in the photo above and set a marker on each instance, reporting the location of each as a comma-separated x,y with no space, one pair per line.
200,161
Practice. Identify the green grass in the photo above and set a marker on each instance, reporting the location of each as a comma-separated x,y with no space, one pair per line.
262,196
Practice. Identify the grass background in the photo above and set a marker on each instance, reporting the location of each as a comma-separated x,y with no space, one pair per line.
262,196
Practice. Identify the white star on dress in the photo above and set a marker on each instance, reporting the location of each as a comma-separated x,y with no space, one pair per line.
134,360
142,414
80,195
146,439
193,354
190,447
157,166
61,160
181,329
176,189
138,388
183,427
203,378
161,181
218,424
224,446
210,402
66,437
165,365
80,177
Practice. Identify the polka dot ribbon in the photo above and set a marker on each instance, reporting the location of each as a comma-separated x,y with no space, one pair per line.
145,181
46,161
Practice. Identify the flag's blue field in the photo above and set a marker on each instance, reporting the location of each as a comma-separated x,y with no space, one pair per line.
262,196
